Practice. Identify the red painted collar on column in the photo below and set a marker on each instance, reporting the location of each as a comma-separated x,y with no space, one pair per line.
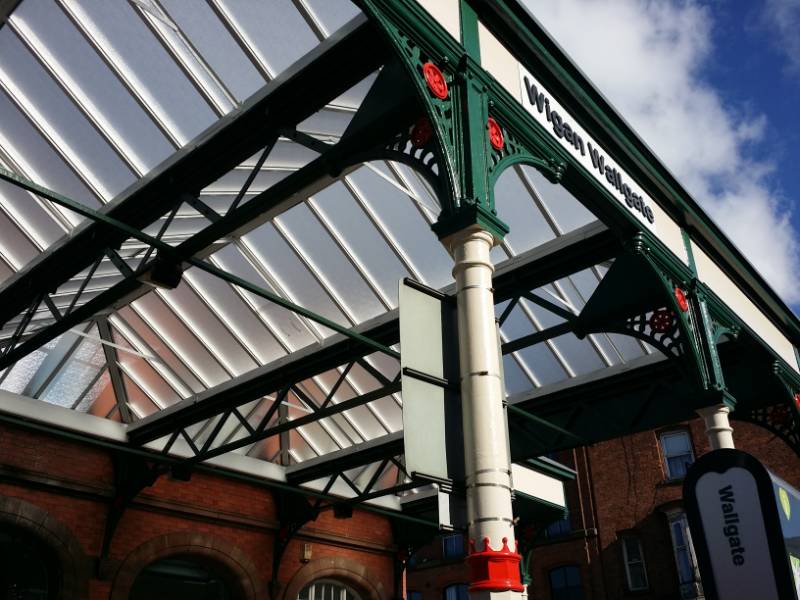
494,570
434,77
680,298
496,138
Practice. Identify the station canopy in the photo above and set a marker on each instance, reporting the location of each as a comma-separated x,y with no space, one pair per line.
206,207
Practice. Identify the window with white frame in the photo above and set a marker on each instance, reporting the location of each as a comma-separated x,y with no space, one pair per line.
327,589
676,447
685,559
635,569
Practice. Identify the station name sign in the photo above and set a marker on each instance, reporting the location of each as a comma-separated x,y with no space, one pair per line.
740,516
572,137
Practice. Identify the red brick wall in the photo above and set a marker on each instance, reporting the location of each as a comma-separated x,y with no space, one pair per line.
620,488
74,483
631,492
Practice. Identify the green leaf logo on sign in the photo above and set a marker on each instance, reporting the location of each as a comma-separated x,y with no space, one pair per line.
785,502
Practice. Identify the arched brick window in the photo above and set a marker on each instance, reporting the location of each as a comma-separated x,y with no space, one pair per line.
35,545
328,589
185,577
29,568
214,564
346,573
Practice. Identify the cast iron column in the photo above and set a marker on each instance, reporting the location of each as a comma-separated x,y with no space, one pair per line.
493,559
718,427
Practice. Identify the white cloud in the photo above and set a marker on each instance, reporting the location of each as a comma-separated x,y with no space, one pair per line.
783,18
647,57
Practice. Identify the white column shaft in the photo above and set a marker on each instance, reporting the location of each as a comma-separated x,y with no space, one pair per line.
485,431
718,427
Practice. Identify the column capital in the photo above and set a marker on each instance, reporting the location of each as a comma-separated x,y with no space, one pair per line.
718,426
469,214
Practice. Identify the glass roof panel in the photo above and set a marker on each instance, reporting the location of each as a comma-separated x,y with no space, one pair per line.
117,87
139,402
147,63
206,325
147,343
67,384
237,315
30,214
315,244
403,227
102,384
513,202
290,274
331,14
337,206
274,31
15,246
208,34
290,329
38,160
83,72
564,209
55,117
178,337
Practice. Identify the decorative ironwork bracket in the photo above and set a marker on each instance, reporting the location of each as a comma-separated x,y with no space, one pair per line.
782,418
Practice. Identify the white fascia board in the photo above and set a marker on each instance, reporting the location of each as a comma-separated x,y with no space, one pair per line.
538,485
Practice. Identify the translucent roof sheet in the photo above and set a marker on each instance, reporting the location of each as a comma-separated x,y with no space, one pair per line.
94,95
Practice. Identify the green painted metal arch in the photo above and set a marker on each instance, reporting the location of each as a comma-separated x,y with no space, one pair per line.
610,311
412,54
552,170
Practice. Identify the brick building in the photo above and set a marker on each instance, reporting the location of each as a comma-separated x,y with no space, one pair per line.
212,385
625,534
57,497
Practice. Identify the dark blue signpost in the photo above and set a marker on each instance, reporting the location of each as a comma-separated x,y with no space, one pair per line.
745,523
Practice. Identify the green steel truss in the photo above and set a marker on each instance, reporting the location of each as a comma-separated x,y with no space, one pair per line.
711,356
473,167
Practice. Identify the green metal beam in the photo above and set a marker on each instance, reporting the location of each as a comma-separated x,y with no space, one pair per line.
175,255
327,71
512,22
319,173
552,260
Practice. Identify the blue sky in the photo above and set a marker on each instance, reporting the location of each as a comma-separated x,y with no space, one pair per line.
713,87
755,67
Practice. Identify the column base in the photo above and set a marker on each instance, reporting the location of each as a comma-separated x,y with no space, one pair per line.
505,595
494,570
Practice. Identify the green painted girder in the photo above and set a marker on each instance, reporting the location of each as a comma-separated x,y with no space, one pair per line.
320,172
652,392
175,255
766,391
409,26
641,395
329,70
512,23
632,289
176,462
458,121
551,261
